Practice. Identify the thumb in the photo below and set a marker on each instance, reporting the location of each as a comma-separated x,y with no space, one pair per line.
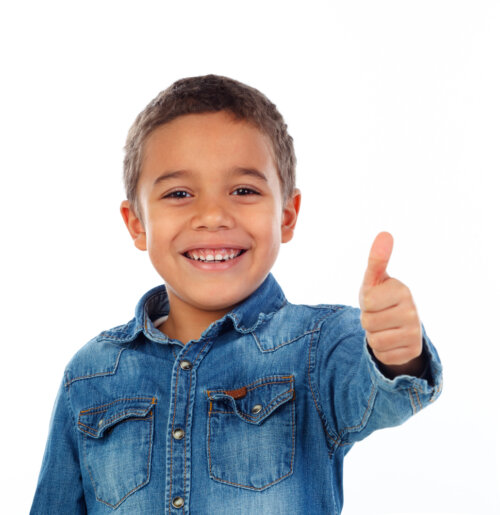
378,259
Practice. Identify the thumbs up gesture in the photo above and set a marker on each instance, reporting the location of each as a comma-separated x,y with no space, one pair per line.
389,315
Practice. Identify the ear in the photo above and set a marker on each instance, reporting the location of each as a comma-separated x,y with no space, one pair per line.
289,216
134,225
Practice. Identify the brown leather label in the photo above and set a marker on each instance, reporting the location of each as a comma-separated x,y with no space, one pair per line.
237,394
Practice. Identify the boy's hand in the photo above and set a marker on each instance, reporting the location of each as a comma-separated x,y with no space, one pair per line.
389,315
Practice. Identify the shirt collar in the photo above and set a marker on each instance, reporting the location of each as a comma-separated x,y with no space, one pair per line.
246,316
259,306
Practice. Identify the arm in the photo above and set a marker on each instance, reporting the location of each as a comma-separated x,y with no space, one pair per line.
353,395
375,367
59,488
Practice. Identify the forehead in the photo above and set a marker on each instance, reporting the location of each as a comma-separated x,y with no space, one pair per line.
206,141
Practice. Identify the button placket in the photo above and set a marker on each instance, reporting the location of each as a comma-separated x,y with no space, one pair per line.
179,426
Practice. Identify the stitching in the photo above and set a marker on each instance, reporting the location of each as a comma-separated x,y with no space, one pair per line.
281,344
247,486
275,378
137,487
173,424
120,333
172,440
201,350
185,437
414,409
99,373
150,399
68,402
185,442
312,391
418,399
113,419
270,382
372,393
269,408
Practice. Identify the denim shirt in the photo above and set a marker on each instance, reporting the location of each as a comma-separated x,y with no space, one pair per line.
255,417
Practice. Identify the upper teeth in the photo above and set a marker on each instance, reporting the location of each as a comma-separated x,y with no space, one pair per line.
213,254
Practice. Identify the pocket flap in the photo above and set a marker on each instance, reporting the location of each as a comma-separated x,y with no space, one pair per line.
253,402
94,421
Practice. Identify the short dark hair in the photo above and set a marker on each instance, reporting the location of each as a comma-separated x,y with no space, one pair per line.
209,93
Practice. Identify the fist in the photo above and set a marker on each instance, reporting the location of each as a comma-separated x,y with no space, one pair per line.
388,314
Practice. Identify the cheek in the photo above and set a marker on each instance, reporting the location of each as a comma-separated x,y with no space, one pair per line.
159,235
269,234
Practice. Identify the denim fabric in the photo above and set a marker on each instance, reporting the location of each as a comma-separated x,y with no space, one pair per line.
255,417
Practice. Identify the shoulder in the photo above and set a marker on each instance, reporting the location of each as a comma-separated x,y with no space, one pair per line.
295,321
101,355
314,317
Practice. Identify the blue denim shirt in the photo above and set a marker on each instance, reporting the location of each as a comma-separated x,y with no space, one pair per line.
255,417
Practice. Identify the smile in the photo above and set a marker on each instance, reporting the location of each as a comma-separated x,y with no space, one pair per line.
213,255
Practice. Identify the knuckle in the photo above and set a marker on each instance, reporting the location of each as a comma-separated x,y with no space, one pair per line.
373,340
415,331
411,314
368,301
366,321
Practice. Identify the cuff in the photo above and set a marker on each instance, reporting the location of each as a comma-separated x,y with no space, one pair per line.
430,381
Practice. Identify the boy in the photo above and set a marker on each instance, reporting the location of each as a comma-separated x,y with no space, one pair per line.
220,396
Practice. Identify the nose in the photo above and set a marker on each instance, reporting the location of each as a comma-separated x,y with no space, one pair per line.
211,215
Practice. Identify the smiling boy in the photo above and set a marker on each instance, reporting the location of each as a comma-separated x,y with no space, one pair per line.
220,396
213,217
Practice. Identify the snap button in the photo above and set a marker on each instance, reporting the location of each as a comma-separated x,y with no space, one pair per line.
257,409
179,434
178,502
186,365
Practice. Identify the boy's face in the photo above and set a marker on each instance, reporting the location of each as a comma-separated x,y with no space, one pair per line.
212,210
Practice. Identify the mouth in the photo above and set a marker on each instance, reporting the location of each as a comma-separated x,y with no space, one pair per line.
213,255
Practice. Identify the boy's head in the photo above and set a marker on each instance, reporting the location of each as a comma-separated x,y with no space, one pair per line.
205,94
212,207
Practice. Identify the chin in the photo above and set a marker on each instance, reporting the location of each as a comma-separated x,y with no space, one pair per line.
214,302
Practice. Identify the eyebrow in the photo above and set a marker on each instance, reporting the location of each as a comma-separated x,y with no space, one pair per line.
170,175
252,172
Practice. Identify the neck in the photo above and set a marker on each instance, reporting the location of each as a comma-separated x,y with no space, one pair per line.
186,323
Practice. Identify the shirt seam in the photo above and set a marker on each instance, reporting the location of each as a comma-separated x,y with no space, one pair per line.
97,374
317,403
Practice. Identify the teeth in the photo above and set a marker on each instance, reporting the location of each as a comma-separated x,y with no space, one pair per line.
213,254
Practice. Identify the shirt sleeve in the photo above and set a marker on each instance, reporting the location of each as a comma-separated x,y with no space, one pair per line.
59,488
353,396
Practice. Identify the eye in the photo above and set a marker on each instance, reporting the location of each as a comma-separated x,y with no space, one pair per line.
178,194
244,191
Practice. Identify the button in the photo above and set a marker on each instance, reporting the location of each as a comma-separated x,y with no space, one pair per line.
101,422
179,433
257,409
178,502
186,365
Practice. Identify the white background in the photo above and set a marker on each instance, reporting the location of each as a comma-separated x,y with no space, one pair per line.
395,110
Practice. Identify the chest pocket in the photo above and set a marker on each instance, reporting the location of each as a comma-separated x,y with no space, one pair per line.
251,433
117,441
